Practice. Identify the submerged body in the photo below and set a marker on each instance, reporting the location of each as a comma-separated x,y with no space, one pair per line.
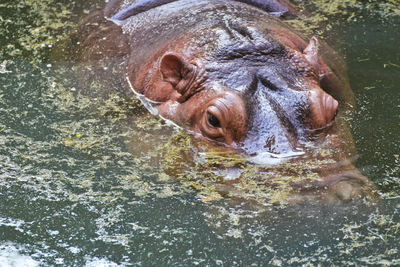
232,73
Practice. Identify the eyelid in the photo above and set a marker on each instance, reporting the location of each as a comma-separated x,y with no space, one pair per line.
220,108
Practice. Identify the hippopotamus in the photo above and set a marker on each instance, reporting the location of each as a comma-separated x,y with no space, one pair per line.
232,73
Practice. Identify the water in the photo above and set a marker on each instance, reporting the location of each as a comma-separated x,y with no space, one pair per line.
89,178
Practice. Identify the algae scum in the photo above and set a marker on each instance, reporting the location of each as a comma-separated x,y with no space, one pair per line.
90,178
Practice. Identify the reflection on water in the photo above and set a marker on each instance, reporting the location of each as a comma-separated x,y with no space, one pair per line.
10,257
89,177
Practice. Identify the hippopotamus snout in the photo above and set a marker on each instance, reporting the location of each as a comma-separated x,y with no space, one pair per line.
281,115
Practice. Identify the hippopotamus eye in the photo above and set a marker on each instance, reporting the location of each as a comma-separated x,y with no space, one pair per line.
213,121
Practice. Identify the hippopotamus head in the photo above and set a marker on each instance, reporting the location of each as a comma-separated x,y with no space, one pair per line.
235,75
250,83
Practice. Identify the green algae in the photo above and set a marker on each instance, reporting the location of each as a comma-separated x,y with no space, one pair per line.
217,172
321,16
94,163
43,24
202,171
380,228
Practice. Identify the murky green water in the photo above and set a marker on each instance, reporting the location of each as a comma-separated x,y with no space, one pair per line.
89,178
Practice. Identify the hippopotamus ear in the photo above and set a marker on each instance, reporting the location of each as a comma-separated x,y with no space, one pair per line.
173,68
311,53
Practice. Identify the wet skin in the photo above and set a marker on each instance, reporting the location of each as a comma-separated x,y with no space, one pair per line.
233,73
279,8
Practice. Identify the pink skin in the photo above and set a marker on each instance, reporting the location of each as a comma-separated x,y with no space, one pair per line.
194,114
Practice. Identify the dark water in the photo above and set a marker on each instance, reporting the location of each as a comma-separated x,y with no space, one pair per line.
89,179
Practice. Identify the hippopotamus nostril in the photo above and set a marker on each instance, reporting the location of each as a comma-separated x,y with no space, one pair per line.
331,106
323,108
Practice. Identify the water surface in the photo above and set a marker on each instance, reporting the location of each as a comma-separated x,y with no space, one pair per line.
90,178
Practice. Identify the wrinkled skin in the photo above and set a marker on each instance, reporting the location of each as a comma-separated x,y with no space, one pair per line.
232,73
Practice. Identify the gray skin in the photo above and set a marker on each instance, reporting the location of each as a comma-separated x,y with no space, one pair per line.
279,8
284,88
